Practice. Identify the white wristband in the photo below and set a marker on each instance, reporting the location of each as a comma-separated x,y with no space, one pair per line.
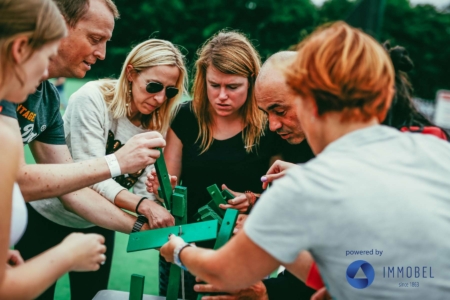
113,165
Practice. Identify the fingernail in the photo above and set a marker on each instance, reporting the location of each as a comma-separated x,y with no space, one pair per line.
264,179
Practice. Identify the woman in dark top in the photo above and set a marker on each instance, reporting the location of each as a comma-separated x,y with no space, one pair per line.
220,137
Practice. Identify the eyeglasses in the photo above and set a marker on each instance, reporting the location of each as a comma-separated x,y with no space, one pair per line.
156,87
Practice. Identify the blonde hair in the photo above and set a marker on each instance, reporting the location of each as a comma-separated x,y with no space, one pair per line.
345,70
38,20
230,53
151,53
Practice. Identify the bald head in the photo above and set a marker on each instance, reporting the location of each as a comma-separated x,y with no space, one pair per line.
271,69
276,98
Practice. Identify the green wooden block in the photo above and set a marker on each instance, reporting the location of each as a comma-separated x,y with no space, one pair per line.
227,227
137,287
216,195
164,180
225,232
174,283
178,205
227,194
205,213
156,238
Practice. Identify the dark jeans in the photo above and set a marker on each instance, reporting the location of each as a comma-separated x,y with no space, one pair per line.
42,234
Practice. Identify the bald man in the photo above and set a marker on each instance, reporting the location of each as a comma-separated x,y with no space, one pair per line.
276,99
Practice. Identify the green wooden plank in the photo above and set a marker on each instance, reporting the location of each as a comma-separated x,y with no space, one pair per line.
136,287
226,230
164,180
156,238
174,282
227,194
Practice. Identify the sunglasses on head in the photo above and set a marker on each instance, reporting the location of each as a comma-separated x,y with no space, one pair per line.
156,87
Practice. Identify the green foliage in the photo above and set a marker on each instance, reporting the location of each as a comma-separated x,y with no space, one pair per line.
274,25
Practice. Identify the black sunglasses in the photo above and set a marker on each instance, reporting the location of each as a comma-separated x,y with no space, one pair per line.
156,87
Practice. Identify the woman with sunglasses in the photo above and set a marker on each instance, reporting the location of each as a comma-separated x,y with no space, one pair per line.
30,31
104,114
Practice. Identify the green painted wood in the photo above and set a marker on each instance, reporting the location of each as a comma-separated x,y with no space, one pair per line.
174,282
137,287
179,204
225,233
226,230
156,238
227,194
164,180
205,213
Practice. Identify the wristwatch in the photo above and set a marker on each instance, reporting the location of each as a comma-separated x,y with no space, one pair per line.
176,254
141,220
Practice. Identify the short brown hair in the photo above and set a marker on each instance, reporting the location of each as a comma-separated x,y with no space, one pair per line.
39,20
345,70
74,10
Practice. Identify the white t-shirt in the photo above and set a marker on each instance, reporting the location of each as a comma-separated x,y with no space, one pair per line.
87,122
375,189
19,216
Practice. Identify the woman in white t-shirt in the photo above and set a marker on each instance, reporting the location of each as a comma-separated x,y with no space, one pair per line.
368,185
30,31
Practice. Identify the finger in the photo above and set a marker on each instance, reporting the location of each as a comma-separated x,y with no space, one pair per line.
100,238
198,279
272,177
225,206
220,297
155,143
205,288
102,259
151,135
238,200
224,187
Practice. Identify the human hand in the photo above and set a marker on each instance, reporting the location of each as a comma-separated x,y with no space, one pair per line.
277,170
85,250
167,249
239,223
152,182
241,202
255,292
139,151
321,294
158,216
13,258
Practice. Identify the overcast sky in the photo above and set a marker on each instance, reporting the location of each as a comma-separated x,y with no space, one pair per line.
438,3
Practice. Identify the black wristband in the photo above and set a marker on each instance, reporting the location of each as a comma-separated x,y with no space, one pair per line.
139,203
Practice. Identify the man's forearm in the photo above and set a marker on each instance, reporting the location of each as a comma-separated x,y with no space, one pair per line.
43,181
94,208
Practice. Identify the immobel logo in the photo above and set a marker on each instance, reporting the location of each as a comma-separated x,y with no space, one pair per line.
360,274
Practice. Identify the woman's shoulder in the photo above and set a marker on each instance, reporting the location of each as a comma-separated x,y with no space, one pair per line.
88,95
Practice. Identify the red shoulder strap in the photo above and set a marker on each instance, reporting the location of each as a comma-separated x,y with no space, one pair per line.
436,131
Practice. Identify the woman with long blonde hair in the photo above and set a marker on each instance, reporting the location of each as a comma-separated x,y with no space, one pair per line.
30,32
104,114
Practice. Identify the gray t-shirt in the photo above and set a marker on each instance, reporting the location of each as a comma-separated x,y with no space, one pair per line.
375,190
87,122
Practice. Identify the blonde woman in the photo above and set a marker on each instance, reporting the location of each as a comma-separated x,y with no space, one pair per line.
102,116
30,31
220,137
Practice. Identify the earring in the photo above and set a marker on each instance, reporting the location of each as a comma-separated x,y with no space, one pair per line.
129,96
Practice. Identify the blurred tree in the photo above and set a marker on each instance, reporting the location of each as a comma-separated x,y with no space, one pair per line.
274,25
